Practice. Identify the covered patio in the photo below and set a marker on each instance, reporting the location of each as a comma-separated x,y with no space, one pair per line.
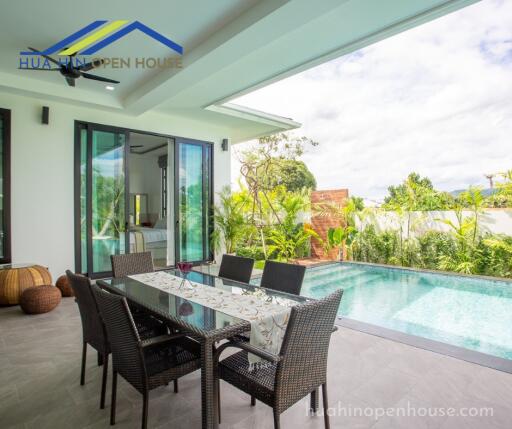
74,180
367,375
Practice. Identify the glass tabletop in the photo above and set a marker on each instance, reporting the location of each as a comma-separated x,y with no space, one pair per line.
199,316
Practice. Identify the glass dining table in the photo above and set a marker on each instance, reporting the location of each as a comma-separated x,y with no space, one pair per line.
200,322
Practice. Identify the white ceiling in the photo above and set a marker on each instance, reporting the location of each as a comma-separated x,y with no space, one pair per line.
147,144
230,47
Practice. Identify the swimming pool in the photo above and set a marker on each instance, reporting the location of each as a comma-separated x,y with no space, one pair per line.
471,313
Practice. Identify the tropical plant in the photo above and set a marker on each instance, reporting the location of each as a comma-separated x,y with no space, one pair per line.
496,256
339,237
376,247
431,246
288,239
230,223
502,197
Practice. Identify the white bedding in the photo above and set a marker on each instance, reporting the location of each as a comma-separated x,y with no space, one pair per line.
151,235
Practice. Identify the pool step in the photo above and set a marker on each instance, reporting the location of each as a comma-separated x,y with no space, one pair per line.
345,280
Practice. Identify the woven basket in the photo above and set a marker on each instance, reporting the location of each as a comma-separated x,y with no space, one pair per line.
39,299
15,280
63,284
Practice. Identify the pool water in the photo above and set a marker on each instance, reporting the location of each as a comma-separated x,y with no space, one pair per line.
472,313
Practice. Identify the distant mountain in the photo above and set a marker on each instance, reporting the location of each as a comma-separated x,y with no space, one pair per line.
485,192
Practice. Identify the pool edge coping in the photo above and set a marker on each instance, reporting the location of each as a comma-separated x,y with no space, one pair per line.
425,270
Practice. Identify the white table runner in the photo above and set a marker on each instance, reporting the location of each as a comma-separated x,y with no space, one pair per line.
268,319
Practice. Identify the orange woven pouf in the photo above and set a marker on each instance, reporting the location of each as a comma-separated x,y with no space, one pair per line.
15,278
64,286
39,299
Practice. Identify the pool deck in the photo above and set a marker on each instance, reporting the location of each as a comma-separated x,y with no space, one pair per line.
40,367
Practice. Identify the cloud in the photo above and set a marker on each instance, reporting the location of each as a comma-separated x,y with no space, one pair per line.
436,99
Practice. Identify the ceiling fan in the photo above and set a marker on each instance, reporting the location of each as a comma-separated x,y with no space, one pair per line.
72,73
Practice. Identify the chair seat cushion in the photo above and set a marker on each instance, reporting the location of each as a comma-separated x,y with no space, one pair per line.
148,326
258,381
171,360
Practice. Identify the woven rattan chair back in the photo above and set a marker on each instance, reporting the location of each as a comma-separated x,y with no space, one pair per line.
132,263
124,338
305,349
92,325
283,277
236,268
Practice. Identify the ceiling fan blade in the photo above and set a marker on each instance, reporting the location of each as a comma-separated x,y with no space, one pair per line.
136,145
42,69
89,66
70,81
45,56
102,79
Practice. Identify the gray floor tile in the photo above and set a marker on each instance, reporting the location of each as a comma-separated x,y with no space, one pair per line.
39,385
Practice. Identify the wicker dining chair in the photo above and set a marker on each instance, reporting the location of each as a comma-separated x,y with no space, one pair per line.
145,364
299,369
93,328
236,268
283,277
132,263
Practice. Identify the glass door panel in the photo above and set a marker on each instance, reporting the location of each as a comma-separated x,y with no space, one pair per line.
193,201
190,195
108,198
83,199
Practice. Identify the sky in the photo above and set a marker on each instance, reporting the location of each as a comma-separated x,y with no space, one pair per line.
436,99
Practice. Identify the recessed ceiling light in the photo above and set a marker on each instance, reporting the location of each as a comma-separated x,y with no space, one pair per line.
110,87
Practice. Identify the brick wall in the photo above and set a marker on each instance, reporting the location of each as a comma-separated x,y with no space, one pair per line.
321,224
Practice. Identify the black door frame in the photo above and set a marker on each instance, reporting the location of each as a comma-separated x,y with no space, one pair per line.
90,126
6,184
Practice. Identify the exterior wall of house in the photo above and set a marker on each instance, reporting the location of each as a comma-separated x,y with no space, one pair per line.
321,224
42,171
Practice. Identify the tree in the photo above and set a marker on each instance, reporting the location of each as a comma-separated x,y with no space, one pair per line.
293,174
417,193
256,167
502,195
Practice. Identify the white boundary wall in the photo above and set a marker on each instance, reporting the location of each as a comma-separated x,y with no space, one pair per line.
496,221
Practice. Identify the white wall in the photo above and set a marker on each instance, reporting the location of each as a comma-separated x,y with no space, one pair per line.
145,178
42,171
496,221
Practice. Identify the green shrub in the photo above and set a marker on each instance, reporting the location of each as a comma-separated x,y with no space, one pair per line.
377,247
431,246
490,254
254,252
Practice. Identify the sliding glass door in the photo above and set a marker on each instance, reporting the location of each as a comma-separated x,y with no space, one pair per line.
5,176
193,200
103,203
103,227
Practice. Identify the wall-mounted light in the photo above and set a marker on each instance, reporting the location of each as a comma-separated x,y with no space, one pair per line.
225,145
110,87
45,116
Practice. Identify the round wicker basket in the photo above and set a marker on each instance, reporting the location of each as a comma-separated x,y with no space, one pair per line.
14,279
63,284
39,299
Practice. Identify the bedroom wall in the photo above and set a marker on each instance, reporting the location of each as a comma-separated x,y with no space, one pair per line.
145,177
42,171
